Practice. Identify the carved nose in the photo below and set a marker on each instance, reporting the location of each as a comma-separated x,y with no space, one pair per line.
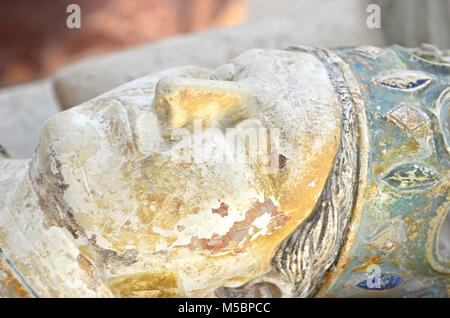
181,100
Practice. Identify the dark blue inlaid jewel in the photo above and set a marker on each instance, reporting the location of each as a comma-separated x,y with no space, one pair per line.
381,282
417,83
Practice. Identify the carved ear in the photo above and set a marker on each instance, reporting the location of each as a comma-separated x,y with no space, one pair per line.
181,100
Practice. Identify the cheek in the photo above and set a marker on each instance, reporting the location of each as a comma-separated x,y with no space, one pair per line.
88,157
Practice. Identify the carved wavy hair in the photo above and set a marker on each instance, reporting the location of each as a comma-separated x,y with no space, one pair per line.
306,255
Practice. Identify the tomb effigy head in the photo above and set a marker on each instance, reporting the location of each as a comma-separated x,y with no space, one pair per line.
284,173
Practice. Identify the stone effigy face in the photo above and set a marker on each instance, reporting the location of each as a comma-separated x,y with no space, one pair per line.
285,173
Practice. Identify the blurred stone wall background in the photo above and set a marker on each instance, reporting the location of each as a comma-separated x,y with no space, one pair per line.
36,42
122,40
413,22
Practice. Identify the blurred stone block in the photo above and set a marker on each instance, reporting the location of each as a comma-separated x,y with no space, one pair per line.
413,22
23,112
327,23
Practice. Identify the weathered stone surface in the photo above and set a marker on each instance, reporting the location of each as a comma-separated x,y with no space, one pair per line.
106,202
106,208
182,100
23,112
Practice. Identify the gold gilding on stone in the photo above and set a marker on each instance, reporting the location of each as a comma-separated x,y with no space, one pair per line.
407,117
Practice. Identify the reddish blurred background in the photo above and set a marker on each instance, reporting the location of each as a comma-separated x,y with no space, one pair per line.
35,41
